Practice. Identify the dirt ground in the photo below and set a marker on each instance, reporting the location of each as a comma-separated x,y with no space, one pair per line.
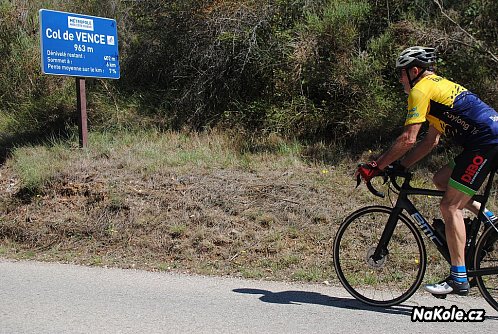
273,223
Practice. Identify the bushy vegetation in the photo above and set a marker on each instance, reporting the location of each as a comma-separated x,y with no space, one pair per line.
317,70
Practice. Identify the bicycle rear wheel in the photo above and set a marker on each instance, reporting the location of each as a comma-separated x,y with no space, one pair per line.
392,279
486,257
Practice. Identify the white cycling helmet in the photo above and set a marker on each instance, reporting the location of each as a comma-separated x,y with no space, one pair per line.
418,56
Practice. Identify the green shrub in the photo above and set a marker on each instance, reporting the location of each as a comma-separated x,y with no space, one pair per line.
316,70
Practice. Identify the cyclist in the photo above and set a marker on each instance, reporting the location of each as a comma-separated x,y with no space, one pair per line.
455,112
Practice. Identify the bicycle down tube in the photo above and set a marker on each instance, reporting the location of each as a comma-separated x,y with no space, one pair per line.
403,203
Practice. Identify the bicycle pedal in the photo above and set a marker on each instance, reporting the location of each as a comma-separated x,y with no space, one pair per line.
439,296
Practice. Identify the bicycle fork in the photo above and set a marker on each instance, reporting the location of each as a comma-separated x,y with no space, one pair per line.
381,250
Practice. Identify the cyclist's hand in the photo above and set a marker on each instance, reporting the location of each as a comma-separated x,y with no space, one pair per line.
368,171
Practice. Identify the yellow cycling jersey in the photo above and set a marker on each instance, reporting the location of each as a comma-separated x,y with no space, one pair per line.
453,110
431,88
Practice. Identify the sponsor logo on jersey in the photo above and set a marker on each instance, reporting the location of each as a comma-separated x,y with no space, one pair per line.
412,113
457,120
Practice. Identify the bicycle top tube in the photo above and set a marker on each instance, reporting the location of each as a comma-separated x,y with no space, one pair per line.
409,190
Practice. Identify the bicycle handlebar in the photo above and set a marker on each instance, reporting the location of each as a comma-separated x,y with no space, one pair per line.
390,173
374,191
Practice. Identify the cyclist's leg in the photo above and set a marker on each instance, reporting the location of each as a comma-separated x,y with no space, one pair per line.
467,175
442,176
452,205
441,179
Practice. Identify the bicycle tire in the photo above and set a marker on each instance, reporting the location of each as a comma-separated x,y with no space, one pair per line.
487,257
393,279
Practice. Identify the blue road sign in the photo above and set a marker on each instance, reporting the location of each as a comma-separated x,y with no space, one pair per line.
78,45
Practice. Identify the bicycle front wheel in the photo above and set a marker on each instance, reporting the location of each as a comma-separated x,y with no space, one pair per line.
390,280
486,257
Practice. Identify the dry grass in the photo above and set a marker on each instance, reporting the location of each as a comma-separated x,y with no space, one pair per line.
209,204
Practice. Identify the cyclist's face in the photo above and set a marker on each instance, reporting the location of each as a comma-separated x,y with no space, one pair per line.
403,78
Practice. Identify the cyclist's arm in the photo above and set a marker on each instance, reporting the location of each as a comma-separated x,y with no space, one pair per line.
423,148
402,145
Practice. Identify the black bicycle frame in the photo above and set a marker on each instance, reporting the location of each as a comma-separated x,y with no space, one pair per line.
404,203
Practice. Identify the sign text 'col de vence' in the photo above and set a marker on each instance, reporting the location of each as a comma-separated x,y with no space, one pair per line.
78,45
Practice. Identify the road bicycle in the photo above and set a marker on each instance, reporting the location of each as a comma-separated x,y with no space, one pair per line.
380,256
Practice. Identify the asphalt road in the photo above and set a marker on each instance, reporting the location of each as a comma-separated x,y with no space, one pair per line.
55,298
